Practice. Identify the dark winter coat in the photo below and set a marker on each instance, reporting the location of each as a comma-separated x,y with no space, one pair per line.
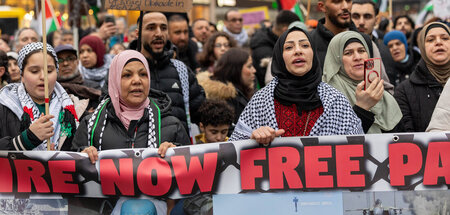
188,55
11,128
262,44
115,135
402,71
417,98
164,77
223,91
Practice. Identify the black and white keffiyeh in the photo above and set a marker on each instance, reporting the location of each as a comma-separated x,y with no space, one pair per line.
26,50
338,117
98,121
15,97
184,79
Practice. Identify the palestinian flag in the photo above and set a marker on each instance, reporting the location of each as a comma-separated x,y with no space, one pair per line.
291,5
52,22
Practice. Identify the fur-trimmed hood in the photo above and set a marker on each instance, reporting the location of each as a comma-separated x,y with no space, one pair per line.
216,89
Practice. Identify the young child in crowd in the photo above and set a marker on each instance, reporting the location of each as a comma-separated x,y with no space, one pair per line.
215,121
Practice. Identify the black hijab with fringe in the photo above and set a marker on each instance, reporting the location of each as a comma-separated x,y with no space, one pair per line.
291,89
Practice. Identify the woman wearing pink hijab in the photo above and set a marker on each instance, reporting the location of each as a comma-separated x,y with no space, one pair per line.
128,117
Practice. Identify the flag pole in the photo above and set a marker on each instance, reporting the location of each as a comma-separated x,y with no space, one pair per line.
44,49
390,10
308,9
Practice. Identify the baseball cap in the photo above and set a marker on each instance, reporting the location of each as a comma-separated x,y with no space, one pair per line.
62,48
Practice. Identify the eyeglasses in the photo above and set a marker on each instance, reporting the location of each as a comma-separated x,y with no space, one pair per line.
236,20
219,45
69,59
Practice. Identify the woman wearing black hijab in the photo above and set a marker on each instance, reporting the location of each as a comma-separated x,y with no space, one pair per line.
296,102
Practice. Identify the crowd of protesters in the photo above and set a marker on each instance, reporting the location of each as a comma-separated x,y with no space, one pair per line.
176,84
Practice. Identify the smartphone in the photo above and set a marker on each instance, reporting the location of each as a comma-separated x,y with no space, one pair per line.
372,70
110,18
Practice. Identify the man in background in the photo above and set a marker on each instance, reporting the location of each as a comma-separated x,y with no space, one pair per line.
200,28
179,36
364,14
405,24
337,19
169,75
70,78
234,26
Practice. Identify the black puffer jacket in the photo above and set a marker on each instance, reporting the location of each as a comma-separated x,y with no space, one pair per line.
164,77
262,44
115,136
417,98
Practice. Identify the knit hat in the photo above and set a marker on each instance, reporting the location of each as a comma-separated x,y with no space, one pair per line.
395,35
65,48
26,50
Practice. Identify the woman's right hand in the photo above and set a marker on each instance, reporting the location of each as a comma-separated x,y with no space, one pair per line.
92,153
265,135
368,98
43,127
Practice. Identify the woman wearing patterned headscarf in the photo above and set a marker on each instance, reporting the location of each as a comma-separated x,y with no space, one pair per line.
418,96
94,61
344,70
22,124
296,102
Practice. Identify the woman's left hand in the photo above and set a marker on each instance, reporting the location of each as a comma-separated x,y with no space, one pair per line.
163,148
368,98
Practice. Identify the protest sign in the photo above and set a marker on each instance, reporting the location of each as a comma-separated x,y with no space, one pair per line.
441,8
253,16
351,165
150,5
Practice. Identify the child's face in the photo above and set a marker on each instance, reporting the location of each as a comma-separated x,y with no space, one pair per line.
215,133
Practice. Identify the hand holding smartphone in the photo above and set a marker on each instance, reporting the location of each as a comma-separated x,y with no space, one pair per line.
372,70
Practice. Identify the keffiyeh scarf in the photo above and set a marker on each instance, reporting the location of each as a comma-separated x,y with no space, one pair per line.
15,97
241,38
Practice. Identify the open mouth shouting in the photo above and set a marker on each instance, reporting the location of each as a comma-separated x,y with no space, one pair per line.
299,62
137,92
158,43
